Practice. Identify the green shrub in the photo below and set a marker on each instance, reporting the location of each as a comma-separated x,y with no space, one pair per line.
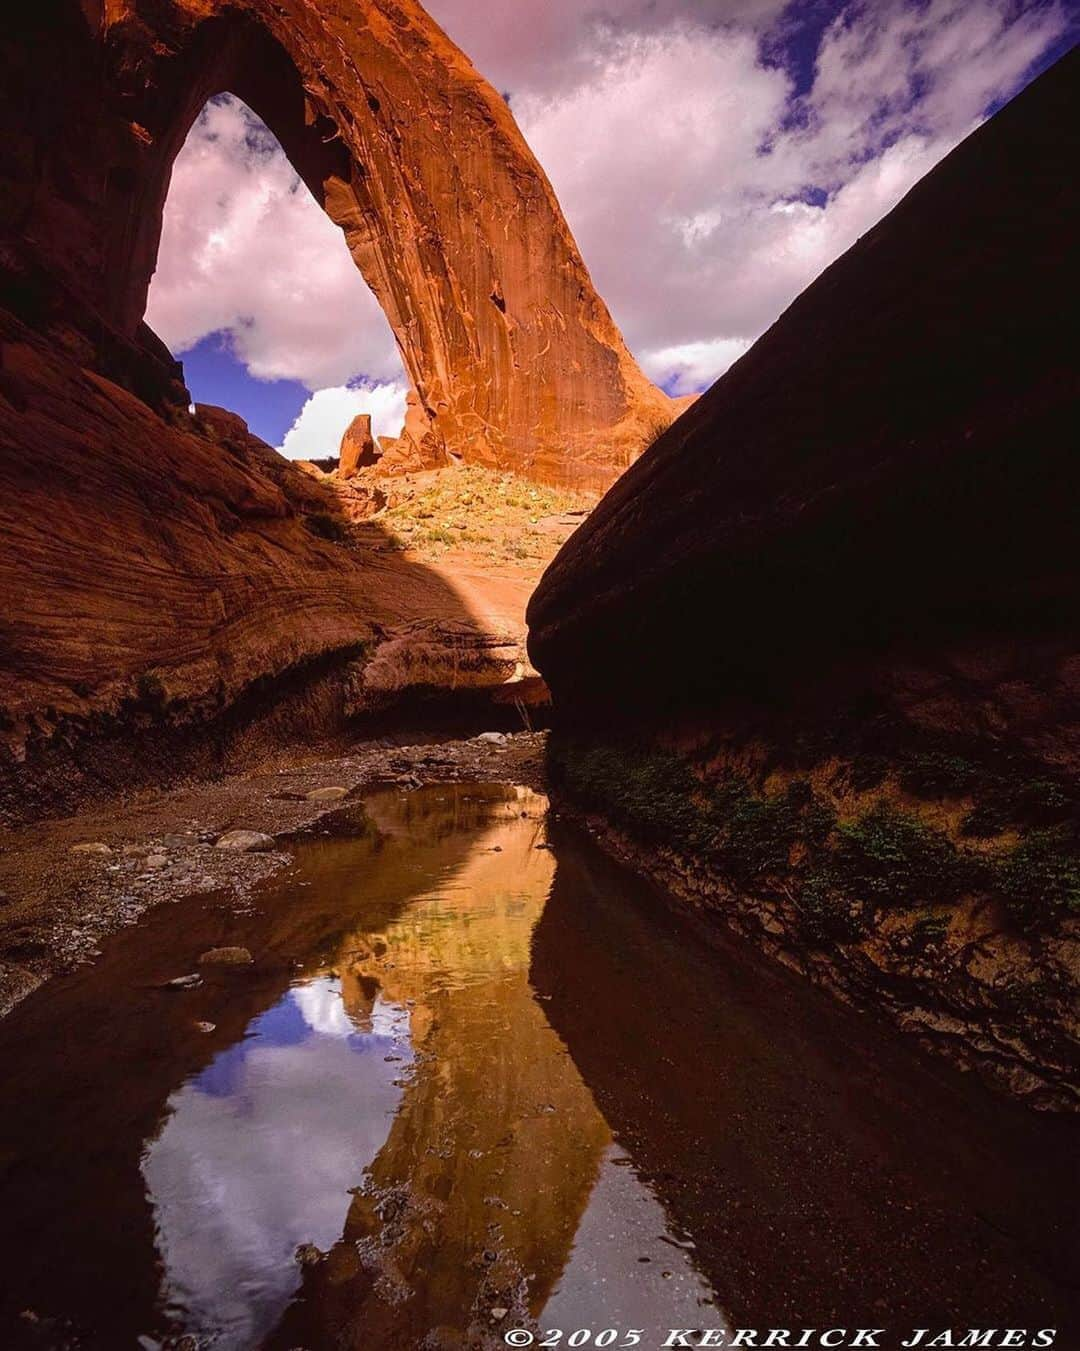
930,928
755,834
826,915
650,793
1040,879
934,774
324,526
893,858
1017,800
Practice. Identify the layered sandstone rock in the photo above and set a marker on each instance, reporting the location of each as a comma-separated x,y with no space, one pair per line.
887,476
513,357
160,566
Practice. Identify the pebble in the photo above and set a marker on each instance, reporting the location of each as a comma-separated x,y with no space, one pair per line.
247,841
156,861
92,847
191,982
492,738
326,794
226,957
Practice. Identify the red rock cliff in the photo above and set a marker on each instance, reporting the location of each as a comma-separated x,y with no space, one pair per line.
157,566
513,355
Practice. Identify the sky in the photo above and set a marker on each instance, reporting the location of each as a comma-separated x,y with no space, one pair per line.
711,157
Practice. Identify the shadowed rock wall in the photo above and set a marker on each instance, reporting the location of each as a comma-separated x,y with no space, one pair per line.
888,478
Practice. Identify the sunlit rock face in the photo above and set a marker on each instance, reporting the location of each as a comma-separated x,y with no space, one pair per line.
889,467
513,357
162,563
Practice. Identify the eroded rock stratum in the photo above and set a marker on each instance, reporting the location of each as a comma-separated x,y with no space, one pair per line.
159,566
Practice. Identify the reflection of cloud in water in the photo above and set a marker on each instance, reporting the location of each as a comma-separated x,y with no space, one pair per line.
258,1153
323,1010
607,1284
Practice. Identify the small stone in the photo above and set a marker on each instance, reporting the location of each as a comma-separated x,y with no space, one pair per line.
226,957
492,738
135,850
92,847
247,842
326,794
156,861
206,1027
191,982
307,1254
498,1314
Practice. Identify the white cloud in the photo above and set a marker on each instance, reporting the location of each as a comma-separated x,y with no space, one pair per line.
693,365
318,429
246,249
705,194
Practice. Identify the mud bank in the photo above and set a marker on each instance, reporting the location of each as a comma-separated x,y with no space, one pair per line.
925,887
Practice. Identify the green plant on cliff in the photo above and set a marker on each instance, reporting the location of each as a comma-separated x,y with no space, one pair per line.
893,858
826,913
1040,878
938,774
755,833
1016,799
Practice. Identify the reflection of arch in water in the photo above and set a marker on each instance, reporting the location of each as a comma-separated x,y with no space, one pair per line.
447,214
475,1198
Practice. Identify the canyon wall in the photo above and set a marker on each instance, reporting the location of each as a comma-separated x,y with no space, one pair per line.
891,468
160,568
814,656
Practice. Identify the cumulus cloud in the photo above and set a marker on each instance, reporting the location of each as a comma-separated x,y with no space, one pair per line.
247,251
706,177
709,215
318,429
692,366
711,156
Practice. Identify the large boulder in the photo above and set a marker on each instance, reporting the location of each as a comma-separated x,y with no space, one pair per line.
358,449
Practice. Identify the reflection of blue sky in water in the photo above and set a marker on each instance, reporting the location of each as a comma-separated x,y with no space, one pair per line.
627,1269
259,1151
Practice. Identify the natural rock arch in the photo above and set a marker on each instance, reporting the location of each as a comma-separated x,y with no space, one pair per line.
512,354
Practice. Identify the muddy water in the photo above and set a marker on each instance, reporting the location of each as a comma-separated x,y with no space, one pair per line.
471,1084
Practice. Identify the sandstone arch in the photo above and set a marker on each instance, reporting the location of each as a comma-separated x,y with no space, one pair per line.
513,355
